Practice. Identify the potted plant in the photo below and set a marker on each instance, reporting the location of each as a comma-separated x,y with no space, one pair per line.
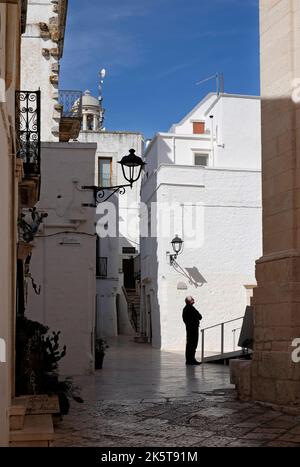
37,357
100,348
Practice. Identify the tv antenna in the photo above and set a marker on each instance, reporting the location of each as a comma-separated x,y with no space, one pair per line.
219,77
102,74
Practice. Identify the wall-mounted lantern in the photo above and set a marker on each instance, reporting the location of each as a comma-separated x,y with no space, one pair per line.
132,166
177,244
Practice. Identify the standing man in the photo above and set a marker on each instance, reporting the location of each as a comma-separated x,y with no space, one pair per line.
191,318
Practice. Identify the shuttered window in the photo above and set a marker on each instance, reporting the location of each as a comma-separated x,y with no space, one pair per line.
198,128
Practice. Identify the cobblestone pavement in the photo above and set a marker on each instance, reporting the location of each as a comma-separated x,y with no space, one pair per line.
212,419
170,406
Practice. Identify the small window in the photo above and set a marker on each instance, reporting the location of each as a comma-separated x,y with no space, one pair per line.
198,128
128,250
104,171
90,122
201,159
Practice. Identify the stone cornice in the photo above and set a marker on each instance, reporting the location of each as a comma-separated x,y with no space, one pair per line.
62,18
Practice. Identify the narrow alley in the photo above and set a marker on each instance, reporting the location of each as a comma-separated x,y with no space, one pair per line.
144,397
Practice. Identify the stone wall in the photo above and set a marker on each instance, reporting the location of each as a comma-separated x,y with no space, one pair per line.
275,377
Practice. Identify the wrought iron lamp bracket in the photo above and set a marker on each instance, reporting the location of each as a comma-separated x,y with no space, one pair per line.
172,258
100,193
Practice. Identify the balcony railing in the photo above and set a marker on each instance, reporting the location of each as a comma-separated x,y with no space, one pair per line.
28,130
70,106
101,267
71,103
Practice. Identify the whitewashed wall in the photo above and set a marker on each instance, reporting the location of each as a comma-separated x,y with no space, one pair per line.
232,138
64,263
115,145
228,237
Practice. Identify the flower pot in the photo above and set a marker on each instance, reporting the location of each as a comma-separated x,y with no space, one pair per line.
99,357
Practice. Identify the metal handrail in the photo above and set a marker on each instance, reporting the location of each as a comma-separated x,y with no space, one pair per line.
222,334
224,322
134,317
233,332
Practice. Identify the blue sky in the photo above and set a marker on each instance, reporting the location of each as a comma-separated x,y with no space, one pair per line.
155,51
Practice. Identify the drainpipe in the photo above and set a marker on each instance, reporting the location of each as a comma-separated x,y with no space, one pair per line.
174,150
212,140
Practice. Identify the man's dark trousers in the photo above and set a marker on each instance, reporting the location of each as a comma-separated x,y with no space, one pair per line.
192,337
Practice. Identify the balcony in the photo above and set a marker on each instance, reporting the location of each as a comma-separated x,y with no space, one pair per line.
28,146
101,267
70,106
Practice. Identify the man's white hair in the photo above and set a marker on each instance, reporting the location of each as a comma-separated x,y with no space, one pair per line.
188,299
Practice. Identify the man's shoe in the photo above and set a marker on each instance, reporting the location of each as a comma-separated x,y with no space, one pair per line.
194,362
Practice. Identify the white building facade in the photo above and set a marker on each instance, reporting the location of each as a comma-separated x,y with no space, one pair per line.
63,257
116,253
202,182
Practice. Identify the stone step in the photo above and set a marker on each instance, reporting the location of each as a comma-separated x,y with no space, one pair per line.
37,432
42,404
17,412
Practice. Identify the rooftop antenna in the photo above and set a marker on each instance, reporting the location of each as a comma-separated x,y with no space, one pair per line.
219,77
102,74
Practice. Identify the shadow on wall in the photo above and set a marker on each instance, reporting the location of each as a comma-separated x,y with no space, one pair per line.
165,156
195,277
193,274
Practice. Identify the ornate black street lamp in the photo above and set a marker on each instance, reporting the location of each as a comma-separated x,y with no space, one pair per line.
132,166
177,244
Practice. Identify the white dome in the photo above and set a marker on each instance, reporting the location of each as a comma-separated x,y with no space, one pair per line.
89,101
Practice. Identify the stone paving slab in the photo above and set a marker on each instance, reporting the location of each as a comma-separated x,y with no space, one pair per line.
177,423
148,398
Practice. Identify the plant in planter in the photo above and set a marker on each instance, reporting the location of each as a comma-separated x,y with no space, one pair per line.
29,223
100,349
37,357
65,391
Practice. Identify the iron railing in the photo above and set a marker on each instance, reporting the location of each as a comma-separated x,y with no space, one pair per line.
28,130
71,102
133,317
101,266
222,336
